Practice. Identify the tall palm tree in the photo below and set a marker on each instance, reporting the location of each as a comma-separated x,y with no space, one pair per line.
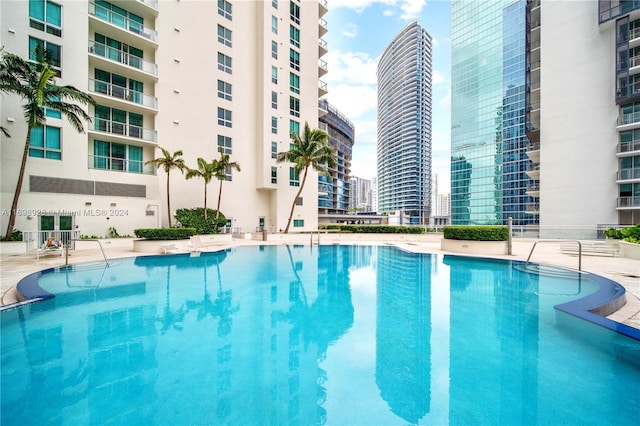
311,150
206,171
169,161
223,164
35,83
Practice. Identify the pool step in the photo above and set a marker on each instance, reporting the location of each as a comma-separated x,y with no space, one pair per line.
548,271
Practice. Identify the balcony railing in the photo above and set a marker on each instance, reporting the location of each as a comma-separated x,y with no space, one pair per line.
151,3
323,65
629,174
100,162
323,23
122,57
632,62
322,43
532,207
122,21
629,146
629,118
633,201
124,129
322,85
119,92
534,147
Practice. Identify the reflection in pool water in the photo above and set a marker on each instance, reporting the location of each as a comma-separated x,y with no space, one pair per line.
313,335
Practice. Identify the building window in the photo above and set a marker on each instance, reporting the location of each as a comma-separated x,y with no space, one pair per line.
224,144
274,125
294,177
224,63
119,17
294,36
294,106
118,122
224,35
298,223
45,16
274,24
274,149
274,50
45,143
294,127
294,12
224,117
118,86
274,175
224,90
52,113
117,156
294,59
53,53
274,75
294,83
224,9
274,100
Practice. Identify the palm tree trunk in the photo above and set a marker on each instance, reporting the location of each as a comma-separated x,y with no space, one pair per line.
168,201
16,195
293,206
219,198
205,201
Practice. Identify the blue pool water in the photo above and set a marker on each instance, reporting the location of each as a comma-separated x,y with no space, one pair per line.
313,335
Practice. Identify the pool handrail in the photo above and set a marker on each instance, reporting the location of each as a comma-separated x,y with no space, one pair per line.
556,241
66,257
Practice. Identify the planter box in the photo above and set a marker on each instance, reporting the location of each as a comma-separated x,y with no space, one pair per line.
475,247
13,247
156,246
630,250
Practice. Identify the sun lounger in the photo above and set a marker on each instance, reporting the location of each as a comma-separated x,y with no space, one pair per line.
49,251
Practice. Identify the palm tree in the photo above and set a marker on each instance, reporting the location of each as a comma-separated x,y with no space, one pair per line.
206,171
35,83
223,164
169,161
312,150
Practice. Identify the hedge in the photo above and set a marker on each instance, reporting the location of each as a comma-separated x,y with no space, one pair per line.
194,218
164,233
374,229
476,233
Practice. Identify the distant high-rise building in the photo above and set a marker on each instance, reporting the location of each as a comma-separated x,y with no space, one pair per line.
334,192
443,205
360,194
533,134
404,125
374,194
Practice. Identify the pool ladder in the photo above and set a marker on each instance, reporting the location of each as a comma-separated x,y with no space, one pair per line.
66,257
553,241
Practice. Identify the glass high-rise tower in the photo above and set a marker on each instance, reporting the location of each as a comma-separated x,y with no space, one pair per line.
404,126
489,180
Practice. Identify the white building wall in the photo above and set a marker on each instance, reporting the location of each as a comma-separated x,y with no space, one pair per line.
578,117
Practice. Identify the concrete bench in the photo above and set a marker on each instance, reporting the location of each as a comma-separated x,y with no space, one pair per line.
590,249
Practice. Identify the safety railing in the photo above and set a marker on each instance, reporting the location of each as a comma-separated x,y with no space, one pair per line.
556,242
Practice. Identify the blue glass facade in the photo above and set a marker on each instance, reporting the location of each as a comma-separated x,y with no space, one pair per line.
489,107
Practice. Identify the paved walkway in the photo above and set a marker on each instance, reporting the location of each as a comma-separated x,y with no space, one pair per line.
625,271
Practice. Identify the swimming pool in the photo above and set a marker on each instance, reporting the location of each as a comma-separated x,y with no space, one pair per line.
313,335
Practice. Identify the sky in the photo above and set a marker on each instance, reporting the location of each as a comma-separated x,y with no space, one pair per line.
359,31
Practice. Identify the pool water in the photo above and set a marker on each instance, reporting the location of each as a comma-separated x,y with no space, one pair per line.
313,335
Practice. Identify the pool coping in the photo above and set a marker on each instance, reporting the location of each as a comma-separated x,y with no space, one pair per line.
609,297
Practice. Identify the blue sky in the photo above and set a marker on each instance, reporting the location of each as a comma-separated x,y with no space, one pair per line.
359,31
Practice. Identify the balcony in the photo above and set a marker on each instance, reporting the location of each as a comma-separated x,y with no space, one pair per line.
105,15
626,175
150,3
533,152
122,57
112,164
322,88
122,93
628,148
323,9
322,27
532,208
629,202
322,47
533,189
628,121
124,130
533,171
322,67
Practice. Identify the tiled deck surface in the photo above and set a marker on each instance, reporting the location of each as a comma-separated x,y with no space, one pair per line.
625,271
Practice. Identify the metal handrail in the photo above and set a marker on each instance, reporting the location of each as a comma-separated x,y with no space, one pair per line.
66,257
555,241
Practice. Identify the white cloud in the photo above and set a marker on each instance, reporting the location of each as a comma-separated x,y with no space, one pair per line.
351,30
446,101
351,68
437,77
435,42
353,100
411,9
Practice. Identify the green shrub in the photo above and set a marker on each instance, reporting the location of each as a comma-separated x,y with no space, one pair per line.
613,233
16,235
194,218
164,233
476,233
373,229
631,234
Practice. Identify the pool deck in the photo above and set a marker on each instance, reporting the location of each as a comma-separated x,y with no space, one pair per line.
625,271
